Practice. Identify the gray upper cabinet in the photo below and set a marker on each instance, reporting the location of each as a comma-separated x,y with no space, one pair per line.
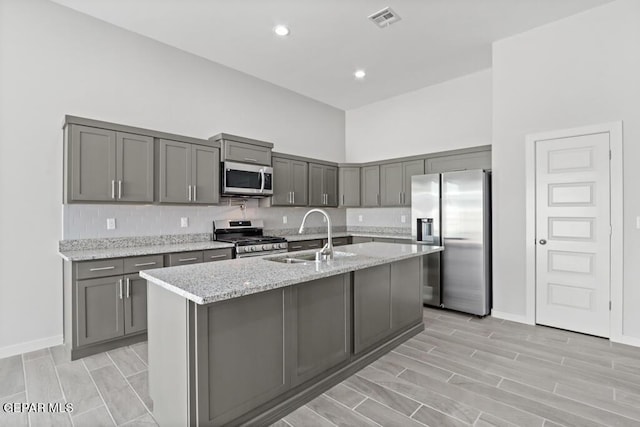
323,185
134,167
289,182
92,164
175,172
370,186
247,153
477,160
189,173
205,176
395,182
109,166
349,186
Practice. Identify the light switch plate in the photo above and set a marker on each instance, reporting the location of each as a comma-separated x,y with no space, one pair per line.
111,223
284,219
184,222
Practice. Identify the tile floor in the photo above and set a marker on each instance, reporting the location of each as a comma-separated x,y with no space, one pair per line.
460,371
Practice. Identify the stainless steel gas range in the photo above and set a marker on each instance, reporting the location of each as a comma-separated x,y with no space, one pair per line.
247,236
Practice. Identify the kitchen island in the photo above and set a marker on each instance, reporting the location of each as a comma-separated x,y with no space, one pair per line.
248,340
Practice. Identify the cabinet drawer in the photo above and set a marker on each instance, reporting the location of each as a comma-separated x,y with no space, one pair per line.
135,264
305,244
384,240
340,241
247,153
358,239
184,258
102,268
217,254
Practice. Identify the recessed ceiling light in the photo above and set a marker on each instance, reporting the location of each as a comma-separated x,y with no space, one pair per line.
359,74
281,30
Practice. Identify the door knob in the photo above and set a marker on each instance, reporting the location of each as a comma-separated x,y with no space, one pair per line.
543,242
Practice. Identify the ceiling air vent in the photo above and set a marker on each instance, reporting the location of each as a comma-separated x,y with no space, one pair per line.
385,17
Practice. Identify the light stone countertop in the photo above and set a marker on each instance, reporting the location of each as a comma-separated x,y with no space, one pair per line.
218,281
91,254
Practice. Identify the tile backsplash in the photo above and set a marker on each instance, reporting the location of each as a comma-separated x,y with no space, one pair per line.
84,221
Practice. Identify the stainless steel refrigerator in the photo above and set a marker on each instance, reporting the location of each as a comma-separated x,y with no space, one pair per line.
453,209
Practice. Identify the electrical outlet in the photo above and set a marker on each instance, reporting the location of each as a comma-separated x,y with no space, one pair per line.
184,222
403,218
284,219
111,223
359,218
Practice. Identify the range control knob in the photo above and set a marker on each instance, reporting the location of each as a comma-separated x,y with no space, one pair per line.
282,246
251,248
266,247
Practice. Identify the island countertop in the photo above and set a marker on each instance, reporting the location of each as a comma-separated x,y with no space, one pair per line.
218,281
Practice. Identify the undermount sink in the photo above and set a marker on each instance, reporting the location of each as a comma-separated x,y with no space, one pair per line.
307,258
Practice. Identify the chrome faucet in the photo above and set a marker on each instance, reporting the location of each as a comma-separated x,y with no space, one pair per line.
327,251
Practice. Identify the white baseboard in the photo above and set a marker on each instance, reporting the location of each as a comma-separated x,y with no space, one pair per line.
511,317
25,347
625,339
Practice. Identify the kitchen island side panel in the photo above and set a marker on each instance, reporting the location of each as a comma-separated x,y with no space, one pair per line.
168,329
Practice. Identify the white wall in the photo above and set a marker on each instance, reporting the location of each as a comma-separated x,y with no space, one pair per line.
451,115
55,61
579,71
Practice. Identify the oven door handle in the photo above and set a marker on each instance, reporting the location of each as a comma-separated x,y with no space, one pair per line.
262,180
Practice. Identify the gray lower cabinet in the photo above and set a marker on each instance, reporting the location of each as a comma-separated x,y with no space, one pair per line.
395,182
477,160
108,166
100,310
406,293
217,255
188,173
243,362
386,299
338,241
349,186
359,239
290,186
323,185
321,335
196,257
370,186
135,304
371,306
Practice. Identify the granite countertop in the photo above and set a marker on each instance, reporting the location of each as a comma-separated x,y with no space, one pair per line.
91,254
218,281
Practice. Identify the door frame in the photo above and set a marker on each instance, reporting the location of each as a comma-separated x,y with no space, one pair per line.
616,210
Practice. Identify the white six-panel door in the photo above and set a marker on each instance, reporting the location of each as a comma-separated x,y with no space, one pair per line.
573,233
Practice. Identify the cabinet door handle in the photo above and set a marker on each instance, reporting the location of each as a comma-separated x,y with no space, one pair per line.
314,246
119,189
250,160
120,284
296,247
128,287
142,264
113,188
187,259
400,194
218,256
343,199
102,268
378,199
293,196
189,192
195,197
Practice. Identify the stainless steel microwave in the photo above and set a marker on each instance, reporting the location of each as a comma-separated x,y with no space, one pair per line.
241,179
